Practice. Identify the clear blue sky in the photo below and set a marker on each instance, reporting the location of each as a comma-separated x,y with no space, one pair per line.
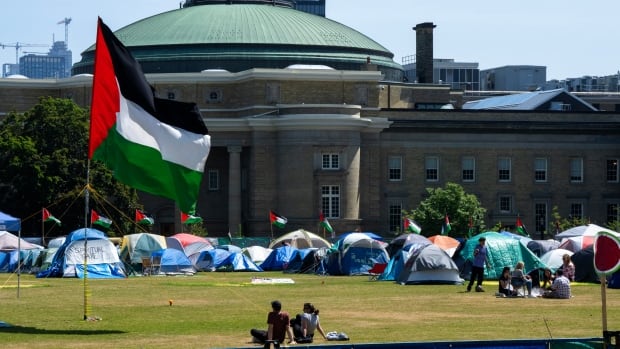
572,38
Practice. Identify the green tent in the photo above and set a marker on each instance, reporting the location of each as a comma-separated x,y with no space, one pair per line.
503,251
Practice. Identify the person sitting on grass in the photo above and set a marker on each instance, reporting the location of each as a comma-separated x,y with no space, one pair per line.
560,288
505,288
519,278
278,326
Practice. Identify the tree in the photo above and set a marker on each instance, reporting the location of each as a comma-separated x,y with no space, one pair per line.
43,163
453,201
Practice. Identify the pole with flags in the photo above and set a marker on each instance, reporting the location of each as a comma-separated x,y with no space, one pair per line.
325,224
520,227
277,220
446,227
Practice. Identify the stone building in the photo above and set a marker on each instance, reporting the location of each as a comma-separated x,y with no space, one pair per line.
353,142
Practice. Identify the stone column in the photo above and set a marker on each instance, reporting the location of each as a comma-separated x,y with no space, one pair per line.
234,188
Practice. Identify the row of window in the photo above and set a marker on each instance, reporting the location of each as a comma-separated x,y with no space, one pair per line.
504,169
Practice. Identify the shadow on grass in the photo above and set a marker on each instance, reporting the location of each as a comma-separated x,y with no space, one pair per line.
34,330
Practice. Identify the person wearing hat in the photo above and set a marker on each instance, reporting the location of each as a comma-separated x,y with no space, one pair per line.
278,322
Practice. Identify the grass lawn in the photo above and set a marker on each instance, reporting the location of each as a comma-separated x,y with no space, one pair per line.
217,310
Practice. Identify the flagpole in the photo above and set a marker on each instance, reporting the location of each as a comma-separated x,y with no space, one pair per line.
19,260
86,208
42,229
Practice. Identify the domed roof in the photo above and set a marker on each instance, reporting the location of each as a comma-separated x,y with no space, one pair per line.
237,37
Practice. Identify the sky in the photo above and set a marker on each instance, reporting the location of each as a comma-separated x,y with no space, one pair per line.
572,38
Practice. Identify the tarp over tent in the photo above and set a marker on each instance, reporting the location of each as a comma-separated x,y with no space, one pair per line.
301,239
429,265
279,258
222,260
502,252
9,223
103,261
181,240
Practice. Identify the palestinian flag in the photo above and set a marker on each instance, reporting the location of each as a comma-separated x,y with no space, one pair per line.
47,217
446,227
155,145
141,218
411,226
325,223
277,220
189,219
95,218
521,228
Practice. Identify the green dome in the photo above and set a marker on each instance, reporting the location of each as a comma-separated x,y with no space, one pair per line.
238,37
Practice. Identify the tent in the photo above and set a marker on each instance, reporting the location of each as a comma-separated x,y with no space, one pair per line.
173,261
355,254
304,261
8,261
576,243
406,239
301,239
9,223
614,280
429,265
367,233
540,247
553,258
279,258
503,252
584,265
582,230
222,260
257,254
134,247
446,243
181,241
10,242
103,260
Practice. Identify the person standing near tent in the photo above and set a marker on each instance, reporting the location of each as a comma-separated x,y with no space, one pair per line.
568,268
477,269
278,322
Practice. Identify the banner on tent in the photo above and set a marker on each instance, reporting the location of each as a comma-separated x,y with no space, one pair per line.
97,253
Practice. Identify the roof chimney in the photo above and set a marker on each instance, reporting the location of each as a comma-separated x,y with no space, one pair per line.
424,52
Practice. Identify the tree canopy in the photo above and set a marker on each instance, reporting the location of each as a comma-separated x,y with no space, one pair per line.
44,162
452,201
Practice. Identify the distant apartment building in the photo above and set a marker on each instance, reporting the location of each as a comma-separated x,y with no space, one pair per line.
316,7
514,78
459,75
609,83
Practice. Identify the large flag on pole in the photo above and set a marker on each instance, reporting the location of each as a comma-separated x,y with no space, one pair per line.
48,217
277,220
95,218
446,227
155,145
411,226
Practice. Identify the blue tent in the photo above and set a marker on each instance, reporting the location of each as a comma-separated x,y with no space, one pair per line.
237,261
9,223
8,261
355,254
279,258
367,233
173,261
103,260
212,259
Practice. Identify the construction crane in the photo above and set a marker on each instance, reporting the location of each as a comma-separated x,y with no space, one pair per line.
66,22
18,46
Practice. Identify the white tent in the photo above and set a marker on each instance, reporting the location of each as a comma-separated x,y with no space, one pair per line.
301,239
